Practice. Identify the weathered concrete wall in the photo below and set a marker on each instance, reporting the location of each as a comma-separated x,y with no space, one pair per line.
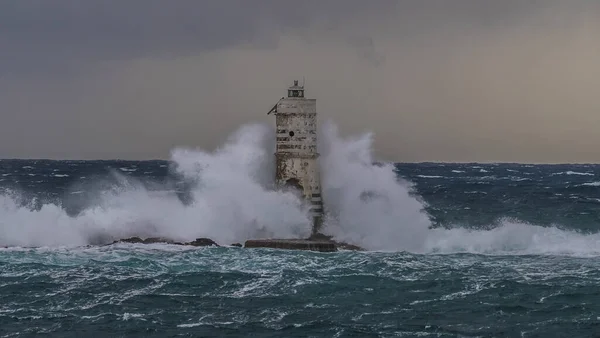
292,244
296,120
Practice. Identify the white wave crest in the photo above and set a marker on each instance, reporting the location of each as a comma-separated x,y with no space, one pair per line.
368,204
514,237
233,199
232,202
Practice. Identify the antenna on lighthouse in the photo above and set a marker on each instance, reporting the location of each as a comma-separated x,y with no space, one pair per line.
303,82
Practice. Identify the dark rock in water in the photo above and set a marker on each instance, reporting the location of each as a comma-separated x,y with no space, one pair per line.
316,242
202,242
149,240
130,240
153,240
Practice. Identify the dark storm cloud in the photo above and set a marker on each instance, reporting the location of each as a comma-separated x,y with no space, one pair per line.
37,35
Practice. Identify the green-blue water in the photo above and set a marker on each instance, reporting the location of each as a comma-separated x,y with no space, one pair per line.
513,253
161,291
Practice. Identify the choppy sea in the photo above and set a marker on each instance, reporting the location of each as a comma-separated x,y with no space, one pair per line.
506,250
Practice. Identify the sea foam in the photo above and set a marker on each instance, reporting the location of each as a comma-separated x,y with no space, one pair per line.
233,198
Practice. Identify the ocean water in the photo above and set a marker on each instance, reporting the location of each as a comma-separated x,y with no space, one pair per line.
453,250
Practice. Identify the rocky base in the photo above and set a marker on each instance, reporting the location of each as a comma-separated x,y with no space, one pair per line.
153,240
292,244
339,245
316,242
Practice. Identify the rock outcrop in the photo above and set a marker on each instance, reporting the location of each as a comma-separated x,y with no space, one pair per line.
202,242
153,240
314,242
317,242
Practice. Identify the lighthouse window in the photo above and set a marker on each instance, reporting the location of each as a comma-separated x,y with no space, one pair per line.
291,134
295,93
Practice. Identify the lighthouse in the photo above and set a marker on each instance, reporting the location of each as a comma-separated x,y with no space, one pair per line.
296,153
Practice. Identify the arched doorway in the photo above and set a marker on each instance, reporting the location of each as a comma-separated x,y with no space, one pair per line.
293,184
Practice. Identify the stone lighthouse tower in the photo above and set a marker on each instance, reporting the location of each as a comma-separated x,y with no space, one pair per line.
296,154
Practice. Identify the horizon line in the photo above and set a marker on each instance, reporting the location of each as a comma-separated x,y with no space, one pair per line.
374,162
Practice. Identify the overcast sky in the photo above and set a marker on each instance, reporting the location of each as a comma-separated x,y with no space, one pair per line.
434,80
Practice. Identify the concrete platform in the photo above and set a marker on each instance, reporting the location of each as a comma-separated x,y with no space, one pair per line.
292,244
